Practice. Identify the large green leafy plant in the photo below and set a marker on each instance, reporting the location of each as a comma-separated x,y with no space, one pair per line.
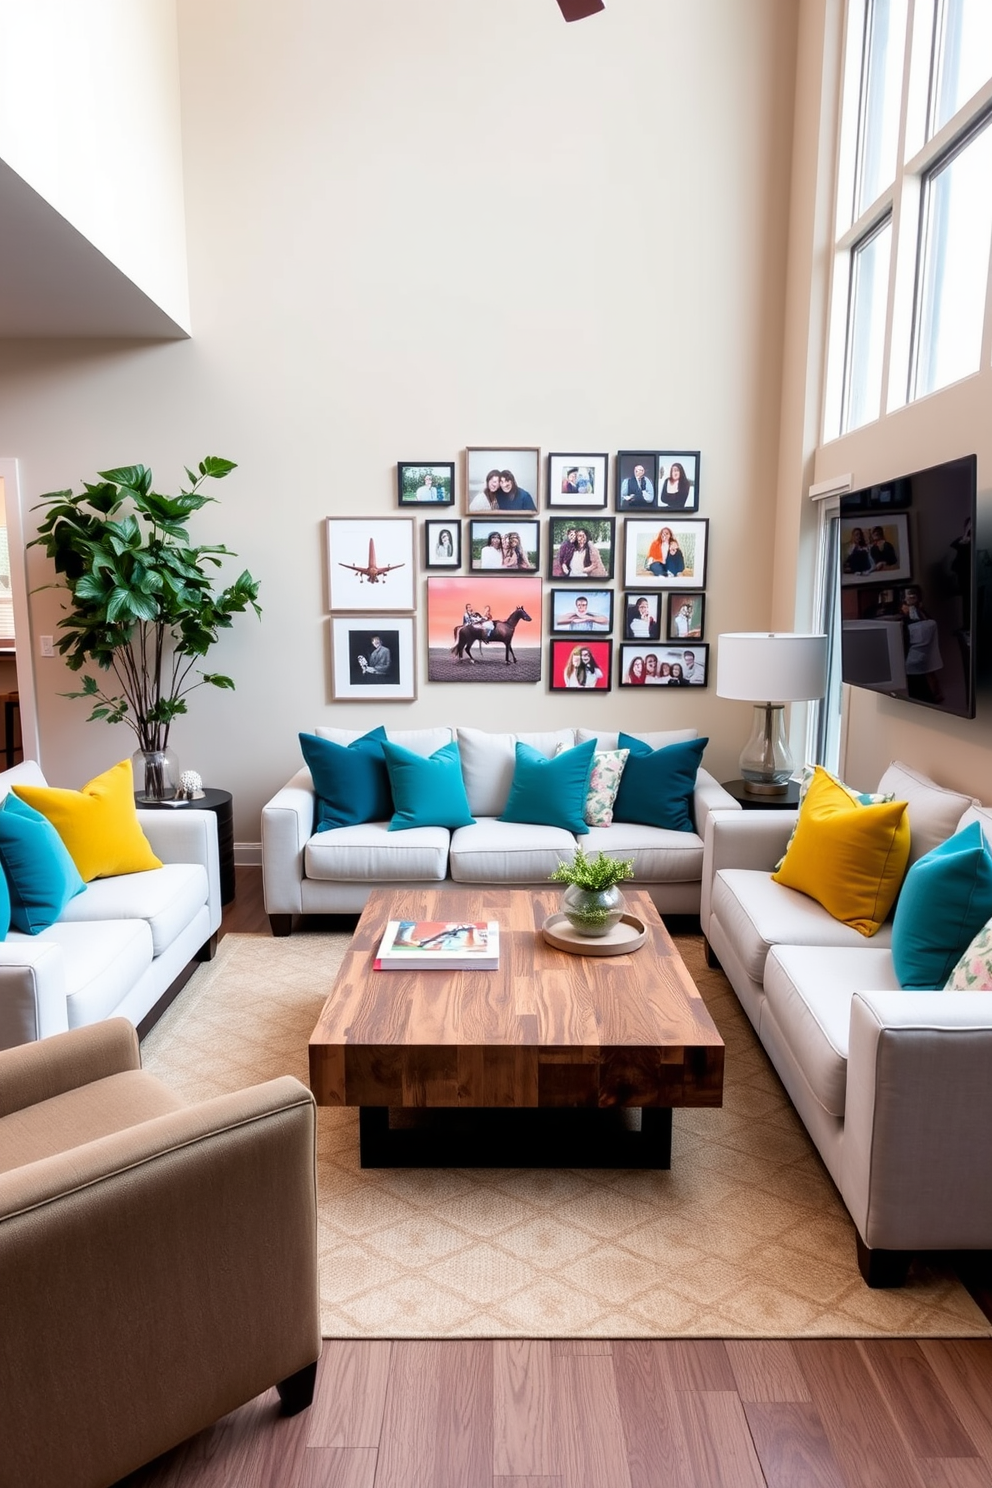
143,603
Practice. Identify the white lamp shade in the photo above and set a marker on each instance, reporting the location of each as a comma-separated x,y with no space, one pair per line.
771,666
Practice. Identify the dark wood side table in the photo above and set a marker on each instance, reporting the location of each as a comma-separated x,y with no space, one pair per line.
221,803
788,801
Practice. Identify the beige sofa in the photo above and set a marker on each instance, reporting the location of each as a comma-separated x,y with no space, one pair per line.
894,1087
333,872
120,946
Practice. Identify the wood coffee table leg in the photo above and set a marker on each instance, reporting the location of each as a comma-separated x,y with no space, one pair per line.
476,1138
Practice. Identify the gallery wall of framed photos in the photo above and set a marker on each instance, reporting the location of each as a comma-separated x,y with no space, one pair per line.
575,569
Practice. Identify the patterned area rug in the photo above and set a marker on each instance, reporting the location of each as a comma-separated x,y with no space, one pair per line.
745,1236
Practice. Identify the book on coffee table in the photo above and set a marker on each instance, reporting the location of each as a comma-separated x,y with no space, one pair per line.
435,945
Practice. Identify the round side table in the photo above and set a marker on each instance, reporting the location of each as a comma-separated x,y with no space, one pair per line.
221,803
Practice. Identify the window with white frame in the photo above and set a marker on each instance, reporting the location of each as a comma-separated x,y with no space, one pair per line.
910,305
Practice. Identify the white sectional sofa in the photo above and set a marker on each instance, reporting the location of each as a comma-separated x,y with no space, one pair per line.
894,1087
120,946
334,871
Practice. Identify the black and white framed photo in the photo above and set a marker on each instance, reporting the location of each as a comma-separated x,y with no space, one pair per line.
665,552
577,480
678,480
372,660
686,614
581,548
642,617
442,542
662,665
370,563
425,485
584,664
636,480
502,480
505,546
589,610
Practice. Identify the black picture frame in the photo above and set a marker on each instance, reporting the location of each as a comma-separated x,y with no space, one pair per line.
563,602
633,599
662,655
627,461
601,540
564,676
433,527
578,482
482,529
696,599
686,497
411,482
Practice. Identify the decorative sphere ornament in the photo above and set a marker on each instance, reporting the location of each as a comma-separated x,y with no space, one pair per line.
190,785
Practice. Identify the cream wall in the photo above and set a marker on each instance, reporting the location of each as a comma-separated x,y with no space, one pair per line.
413,228
89,117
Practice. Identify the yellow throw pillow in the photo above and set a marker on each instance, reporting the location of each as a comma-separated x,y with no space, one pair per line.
98,824
848,857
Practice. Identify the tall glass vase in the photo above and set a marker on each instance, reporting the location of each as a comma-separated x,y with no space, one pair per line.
156,774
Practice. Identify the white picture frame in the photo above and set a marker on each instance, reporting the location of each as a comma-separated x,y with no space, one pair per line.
354,661
370,564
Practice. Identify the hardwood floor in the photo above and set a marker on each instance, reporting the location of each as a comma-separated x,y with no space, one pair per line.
893,1413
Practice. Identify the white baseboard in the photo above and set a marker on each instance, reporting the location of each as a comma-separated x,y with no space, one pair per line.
248,854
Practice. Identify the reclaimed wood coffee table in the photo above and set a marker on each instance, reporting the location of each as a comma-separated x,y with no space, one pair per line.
532,1060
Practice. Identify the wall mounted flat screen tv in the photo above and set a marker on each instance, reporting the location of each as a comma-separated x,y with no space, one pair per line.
907,587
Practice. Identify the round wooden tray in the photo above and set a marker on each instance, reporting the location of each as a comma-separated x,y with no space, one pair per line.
626,935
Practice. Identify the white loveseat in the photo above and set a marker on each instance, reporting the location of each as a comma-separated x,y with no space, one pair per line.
894,1087
334,871
120,945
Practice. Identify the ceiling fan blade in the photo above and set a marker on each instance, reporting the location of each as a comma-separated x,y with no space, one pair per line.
577,10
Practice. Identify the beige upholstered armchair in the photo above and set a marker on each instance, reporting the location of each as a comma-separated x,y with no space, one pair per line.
157,1259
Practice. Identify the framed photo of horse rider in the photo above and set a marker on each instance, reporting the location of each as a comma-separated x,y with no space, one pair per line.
486,628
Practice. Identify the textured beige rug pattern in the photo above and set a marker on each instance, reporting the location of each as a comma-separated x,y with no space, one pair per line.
745,1236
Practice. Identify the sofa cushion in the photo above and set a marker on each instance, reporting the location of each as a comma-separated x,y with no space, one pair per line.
863,798
500,852
945,901
167,898
488,761
604,782
660,855
370,853
97,1109
934,812
420,741
427,792
657,739
657,784
350,781
973,972
98,824
550,792
808,991
983,816
41,876
101,963
850,858
757,913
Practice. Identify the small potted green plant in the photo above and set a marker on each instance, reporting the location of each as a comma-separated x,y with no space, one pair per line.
593,903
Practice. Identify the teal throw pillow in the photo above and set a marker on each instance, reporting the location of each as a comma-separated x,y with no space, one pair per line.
351,782
41,876
551,792
657,784
427,791
4,907
945,900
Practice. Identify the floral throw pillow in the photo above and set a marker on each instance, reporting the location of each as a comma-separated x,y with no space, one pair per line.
973,972
604,782
863,798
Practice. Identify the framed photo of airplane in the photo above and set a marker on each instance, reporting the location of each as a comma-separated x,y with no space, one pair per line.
370,564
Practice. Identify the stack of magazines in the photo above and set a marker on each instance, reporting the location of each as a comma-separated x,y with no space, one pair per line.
435,945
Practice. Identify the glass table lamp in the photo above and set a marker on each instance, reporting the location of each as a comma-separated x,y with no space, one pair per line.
770,669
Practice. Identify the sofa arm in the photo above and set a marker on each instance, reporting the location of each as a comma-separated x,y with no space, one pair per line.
708,796
918,1120
287,826
185,835
156,1279
741,839
32,990
49,1067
